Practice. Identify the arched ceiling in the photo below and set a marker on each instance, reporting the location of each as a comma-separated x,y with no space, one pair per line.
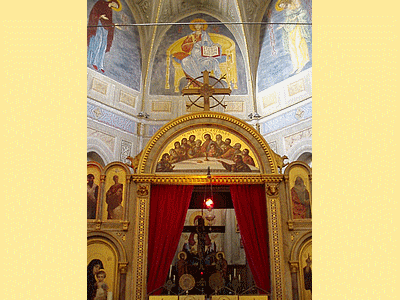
139,52
241,12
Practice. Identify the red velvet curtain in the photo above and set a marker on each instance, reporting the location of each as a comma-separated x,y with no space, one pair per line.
251,213
168,208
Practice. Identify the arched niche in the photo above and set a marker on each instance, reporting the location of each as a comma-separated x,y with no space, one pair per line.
214,124
106,248
300,267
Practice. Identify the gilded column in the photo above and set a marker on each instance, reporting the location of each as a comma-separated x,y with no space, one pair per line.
294,269
275,237
122,268
140,241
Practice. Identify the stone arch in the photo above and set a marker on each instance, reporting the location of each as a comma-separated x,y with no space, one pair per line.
300,148
98,147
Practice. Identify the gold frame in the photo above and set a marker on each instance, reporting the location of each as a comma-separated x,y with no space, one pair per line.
269,176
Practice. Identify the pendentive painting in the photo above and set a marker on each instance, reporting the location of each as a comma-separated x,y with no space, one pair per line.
112,48
115,190
200,148
286,41
300,193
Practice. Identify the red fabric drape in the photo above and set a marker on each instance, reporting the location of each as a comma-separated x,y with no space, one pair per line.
168,208
251,214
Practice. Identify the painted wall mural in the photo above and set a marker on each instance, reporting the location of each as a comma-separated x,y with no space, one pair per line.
187,50
198,149
113,50
285,48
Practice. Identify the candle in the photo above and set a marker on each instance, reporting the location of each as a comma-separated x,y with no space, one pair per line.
230,277
170,270
234,272
173,278
239,277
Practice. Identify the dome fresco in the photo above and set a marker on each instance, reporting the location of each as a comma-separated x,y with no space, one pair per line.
285,48
168,65
113,51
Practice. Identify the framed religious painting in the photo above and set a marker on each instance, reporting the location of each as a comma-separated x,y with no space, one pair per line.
299,190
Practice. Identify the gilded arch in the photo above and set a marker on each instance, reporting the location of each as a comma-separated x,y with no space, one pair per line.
210,121
269,168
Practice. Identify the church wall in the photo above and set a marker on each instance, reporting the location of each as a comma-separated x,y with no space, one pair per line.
112,134
291,140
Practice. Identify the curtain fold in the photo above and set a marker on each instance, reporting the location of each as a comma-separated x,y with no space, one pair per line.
168,208
251,212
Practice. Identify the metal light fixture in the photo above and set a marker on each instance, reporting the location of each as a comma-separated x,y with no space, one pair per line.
208,202
143,114
254,116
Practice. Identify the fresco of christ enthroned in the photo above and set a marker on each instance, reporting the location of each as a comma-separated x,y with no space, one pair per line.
200,51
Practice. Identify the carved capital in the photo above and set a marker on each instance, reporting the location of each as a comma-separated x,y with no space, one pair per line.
290,225
272,189
98,225
142,190
294,266
102,178
125,225
123,267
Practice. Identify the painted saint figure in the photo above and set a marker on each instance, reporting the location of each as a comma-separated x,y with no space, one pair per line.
247,159
307,273
238,166
100,38
300,200
195,58
181,264
92,194
222,265
164,164
295,36
114,200
92,269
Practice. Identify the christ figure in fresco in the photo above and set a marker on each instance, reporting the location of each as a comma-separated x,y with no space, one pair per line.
194,56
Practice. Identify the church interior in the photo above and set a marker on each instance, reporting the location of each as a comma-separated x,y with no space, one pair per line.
199,149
